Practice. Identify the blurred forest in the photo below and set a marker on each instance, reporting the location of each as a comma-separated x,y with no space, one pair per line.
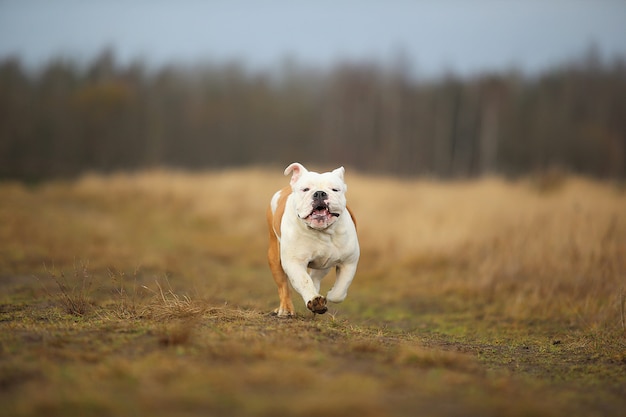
64,119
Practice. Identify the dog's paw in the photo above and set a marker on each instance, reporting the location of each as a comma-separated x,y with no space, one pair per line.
317,305
283,312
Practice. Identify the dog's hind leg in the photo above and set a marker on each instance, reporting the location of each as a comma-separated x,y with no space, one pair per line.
317,275
285,307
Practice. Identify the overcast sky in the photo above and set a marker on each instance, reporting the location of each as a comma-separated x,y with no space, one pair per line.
465,36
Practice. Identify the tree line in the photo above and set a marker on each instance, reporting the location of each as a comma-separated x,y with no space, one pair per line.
64,118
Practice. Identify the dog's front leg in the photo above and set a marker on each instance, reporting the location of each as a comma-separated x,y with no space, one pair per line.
345,274
301,282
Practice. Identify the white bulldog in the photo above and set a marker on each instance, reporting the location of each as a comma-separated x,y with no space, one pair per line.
311,230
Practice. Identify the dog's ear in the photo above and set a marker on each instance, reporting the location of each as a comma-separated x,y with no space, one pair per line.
339,172
297,170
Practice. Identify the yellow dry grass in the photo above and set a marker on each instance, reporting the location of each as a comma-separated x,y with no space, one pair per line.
559,253
478,294
555,252
543,254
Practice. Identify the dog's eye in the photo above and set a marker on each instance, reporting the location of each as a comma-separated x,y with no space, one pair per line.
305,190
336,190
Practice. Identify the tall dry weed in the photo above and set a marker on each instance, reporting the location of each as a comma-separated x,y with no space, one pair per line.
129,296
167,305
75,294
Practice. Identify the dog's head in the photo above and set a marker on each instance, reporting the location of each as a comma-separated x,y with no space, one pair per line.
319,199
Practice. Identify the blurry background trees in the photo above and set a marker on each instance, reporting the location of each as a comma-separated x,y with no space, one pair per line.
64,119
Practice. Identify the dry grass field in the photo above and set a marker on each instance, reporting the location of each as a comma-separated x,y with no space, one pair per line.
149,294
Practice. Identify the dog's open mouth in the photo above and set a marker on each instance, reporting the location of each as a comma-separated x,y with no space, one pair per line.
320,216
322,212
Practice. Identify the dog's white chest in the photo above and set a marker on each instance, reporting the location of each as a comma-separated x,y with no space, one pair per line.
327,256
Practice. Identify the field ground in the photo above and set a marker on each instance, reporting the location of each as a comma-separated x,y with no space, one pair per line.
149,294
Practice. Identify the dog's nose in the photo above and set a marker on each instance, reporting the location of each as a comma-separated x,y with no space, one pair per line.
320,195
